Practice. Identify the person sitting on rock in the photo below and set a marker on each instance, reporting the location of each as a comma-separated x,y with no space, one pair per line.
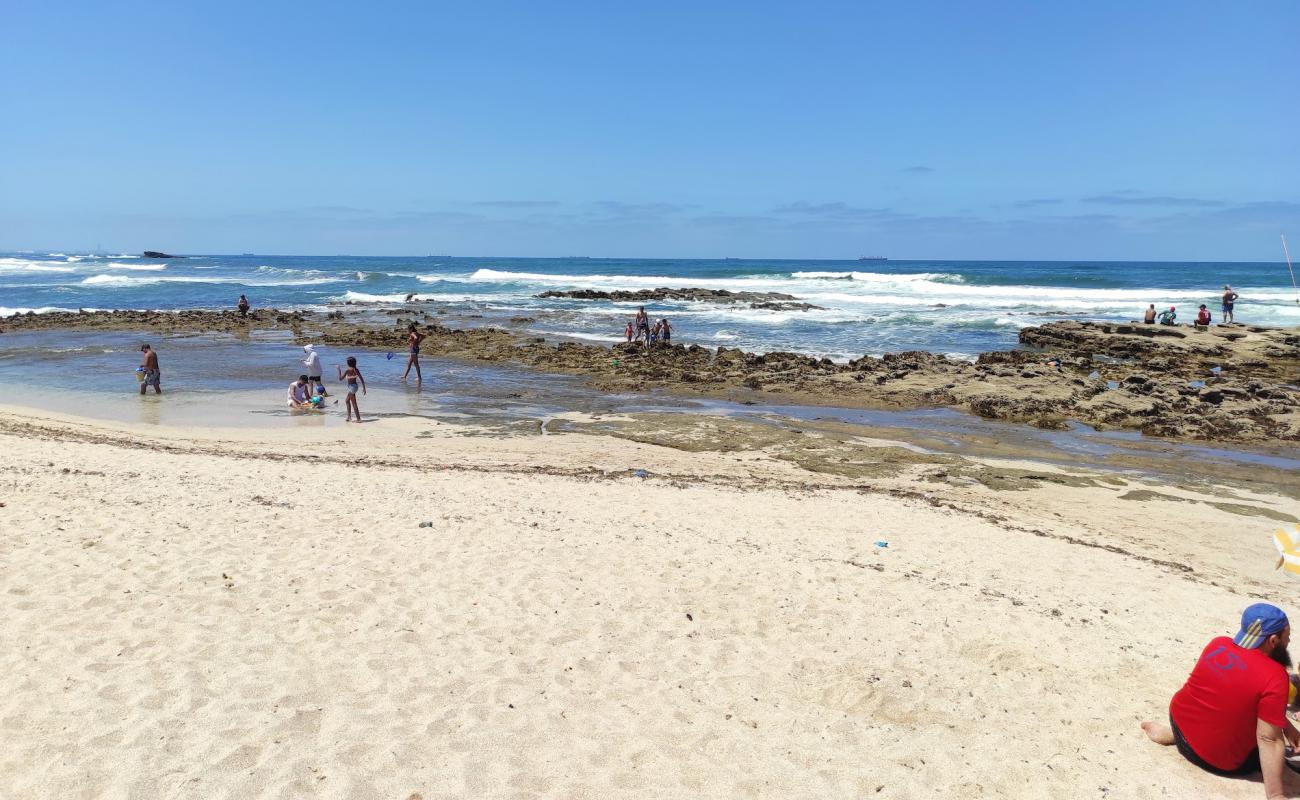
1203,316
1230,716
243,306
1150,316
1169,317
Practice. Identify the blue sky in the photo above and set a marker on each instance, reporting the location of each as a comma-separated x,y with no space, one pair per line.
1040,130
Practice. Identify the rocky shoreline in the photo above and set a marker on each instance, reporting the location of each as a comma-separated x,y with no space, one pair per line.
772,301
1232,384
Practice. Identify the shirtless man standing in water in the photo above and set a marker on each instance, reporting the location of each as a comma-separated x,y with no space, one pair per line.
152,375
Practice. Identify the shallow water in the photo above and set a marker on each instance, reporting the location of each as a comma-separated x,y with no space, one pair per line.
227,381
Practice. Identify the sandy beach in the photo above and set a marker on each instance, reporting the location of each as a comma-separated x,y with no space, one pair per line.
411,609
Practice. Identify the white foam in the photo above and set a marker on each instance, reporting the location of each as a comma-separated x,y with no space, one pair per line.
9,312
118,280
19,265
591,337
121,281
362,297
133,267
613,282
832,276
882,277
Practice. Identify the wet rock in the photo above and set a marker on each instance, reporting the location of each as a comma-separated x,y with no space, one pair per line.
773,305
649,295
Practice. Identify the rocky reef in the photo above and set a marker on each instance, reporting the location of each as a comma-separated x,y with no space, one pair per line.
774,301
1223,384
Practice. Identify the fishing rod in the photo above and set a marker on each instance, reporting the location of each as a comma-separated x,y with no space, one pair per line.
1291,270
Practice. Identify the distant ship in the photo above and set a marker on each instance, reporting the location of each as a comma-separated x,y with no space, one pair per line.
873,258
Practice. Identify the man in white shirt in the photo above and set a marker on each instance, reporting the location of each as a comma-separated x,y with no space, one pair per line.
300,393
312,363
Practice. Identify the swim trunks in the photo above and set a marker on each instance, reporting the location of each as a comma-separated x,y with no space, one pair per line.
152,377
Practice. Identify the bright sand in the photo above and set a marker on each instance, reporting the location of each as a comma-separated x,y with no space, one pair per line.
258,613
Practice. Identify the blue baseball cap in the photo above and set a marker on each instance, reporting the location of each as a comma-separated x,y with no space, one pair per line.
1259,622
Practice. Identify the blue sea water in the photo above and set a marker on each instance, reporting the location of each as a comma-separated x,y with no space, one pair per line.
956,307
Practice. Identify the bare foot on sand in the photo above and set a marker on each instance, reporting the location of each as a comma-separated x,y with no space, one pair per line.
1158,732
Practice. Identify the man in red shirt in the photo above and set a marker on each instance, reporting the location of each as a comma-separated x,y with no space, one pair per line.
1230,716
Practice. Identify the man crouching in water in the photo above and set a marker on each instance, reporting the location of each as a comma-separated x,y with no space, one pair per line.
1230,716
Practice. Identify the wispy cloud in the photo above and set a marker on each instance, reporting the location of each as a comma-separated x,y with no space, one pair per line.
623,209
341,210
918,170
1273,215
733,220
1038,202
525,204
1129,197
835,211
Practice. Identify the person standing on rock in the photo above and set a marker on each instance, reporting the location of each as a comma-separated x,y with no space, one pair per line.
665,331
1229,300
643,325
413,339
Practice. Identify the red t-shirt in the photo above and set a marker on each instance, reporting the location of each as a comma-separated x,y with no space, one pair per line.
1228,690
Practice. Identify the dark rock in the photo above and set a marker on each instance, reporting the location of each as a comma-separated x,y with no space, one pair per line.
772,305
648,295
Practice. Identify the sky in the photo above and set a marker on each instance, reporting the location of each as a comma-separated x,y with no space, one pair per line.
990,130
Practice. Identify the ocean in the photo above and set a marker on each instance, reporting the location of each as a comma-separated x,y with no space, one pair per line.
960,308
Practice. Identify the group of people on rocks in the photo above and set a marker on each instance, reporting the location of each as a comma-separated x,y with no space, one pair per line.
1203,316
640,330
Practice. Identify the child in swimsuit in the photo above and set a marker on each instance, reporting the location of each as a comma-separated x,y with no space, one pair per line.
352,376
413,344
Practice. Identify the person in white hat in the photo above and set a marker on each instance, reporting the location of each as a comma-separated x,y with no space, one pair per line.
312,363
